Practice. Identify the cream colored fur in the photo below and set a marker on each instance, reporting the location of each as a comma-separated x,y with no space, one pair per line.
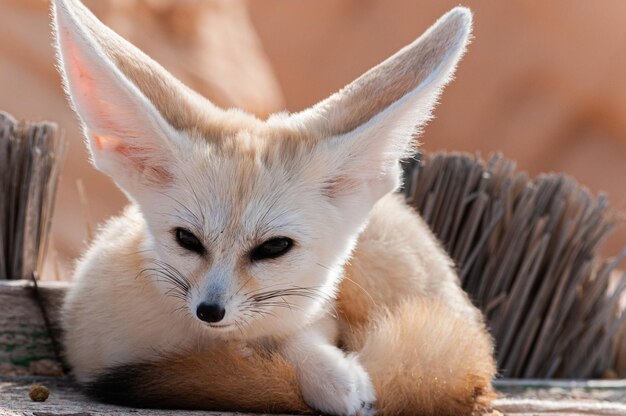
367,273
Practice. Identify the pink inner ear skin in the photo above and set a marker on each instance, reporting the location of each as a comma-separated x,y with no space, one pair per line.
77,70
106,110
98,110
141,163
104,143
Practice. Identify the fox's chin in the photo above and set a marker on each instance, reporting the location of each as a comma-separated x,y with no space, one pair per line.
225,332
220,327
231,330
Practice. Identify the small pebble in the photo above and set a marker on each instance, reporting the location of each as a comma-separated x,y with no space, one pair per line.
39,393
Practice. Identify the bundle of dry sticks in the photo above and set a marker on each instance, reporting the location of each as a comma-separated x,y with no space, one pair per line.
31,155
528,255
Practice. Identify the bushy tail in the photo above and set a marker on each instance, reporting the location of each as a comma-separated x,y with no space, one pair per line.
422,360
221,378
425,360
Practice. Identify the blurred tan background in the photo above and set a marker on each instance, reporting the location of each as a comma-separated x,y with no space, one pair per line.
543,82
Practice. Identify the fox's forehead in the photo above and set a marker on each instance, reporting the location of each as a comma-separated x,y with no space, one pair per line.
247,188
234,128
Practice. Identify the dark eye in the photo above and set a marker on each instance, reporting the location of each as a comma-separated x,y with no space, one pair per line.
188,241
272,248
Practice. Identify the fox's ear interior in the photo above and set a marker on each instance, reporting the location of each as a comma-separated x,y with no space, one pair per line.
127,136
370,124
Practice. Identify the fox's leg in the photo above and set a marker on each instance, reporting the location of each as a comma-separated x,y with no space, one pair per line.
330,380
424,359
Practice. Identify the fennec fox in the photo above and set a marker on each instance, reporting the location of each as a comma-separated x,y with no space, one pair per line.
266,265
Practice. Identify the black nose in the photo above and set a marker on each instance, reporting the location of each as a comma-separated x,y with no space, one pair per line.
210,312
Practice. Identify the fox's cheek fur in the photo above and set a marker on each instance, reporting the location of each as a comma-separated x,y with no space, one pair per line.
260,298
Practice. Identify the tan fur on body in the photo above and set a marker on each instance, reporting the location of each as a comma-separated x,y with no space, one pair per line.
424,358
451,375
394,307
355,269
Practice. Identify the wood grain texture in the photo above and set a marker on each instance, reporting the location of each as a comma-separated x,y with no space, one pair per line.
561,397
31,156
65,400
24,337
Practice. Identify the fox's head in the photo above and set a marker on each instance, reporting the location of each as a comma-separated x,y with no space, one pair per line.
249,222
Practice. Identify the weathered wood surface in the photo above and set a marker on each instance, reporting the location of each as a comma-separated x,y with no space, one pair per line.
31,157
565,397
65,399
24,337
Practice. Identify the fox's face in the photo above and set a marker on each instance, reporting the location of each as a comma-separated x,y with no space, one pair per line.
249,222
249,236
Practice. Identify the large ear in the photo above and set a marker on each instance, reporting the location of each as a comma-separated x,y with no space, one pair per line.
129,105
369,125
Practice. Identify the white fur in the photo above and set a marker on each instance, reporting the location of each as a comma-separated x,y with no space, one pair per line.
330,381
234,192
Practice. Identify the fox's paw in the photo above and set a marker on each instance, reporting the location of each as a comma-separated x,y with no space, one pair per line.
339,387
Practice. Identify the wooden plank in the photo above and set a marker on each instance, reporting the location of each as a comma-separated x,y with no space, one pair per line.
65,400
25,340
561,397
511,384
561,407
31,156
